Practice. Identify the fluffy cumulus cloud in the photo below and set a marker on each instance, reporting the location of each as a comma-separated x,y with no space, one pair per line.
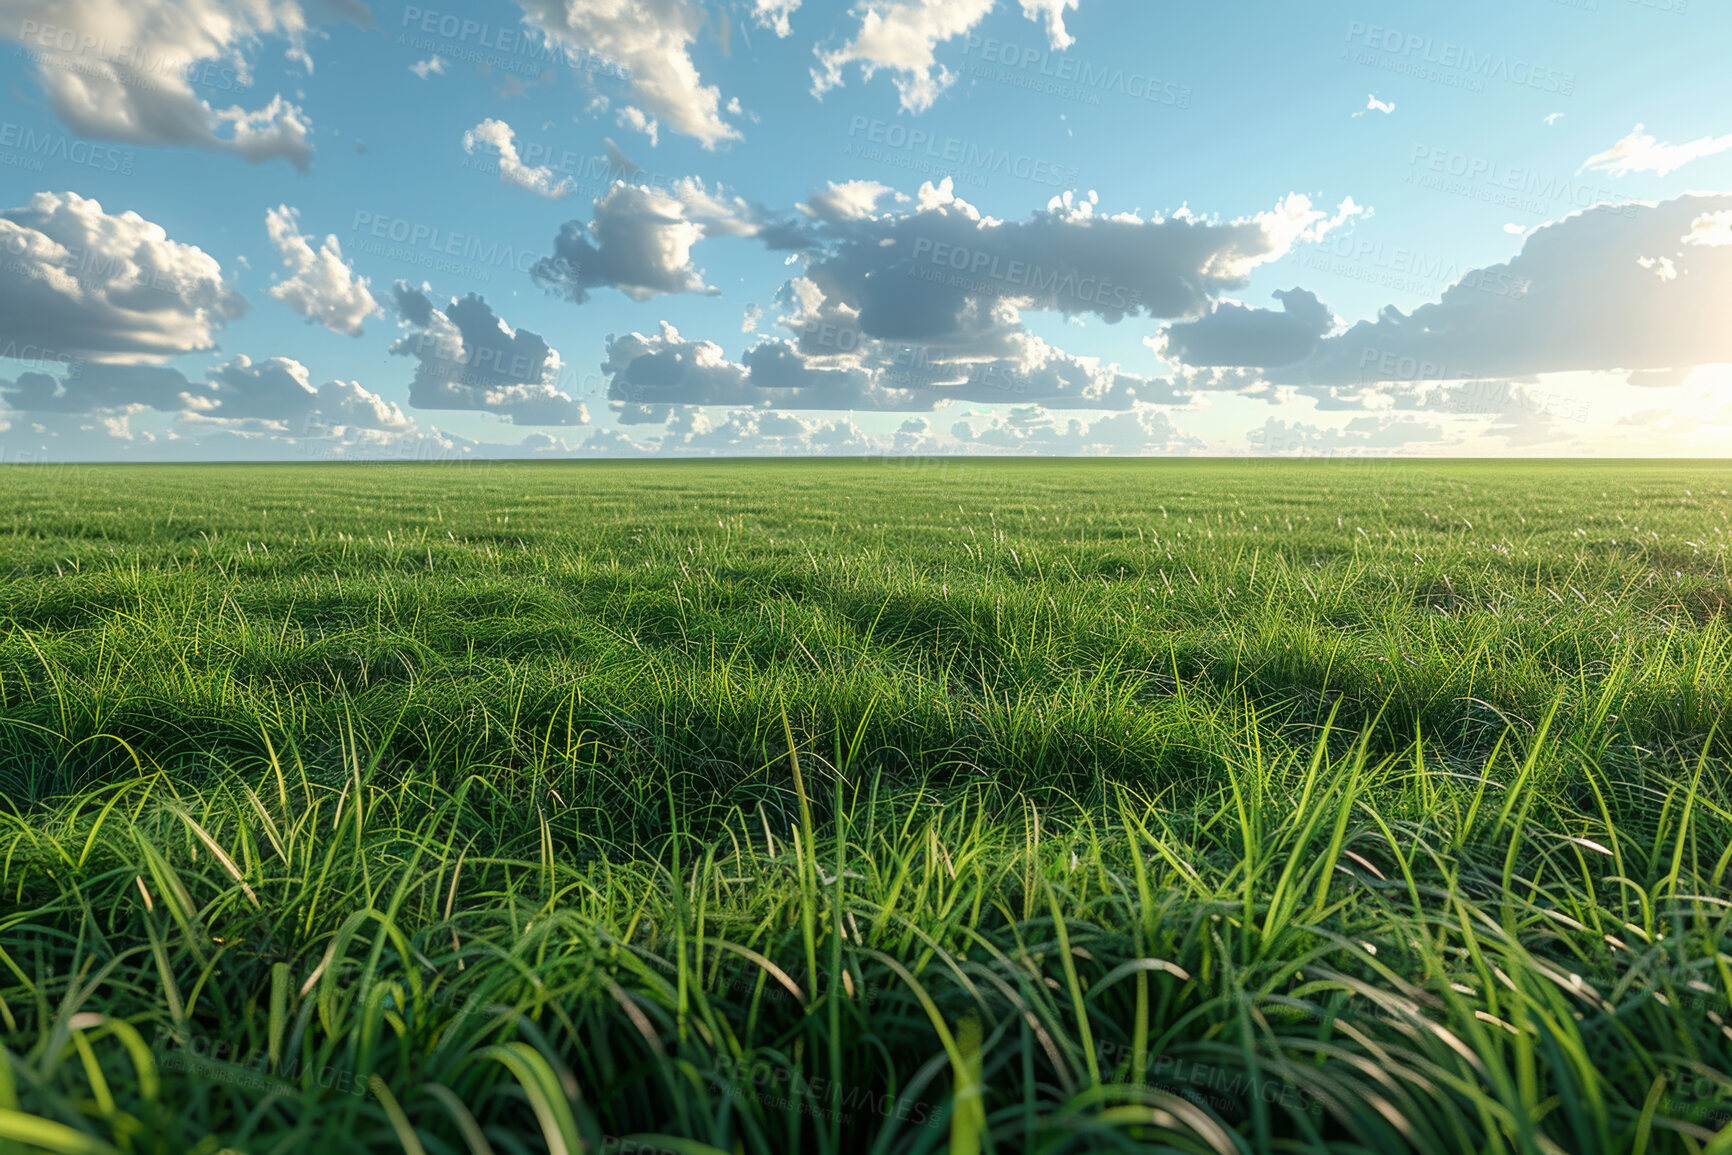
912,307
651,40
538,179
1031,429
1364,434
902,38
1642,152
940,272
775,14
320,285
86,284
745,431
1234,334
1022,429
468,358
275,396
640,242
1713,229
649,375
1577,297
850,200
1051,13
122,71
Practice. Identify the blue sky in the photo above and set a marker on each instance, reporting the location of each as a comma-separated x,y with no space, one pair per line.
288,229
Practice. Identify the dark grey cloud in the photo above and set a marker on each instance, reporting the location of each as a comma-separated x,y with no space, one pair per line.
1237,335
91,387
939,273
274,395
467,357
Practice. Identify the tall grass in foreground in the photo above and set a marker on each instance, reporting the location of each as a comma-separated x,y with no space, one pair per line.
825,807
1332,951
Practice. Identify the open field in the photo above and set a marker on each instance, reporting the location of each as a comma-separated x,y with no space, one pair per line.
867,806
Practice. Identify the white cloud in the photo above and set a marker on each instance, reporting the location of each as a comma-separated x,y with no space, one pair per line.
636,119
850,200
349,406
1711,229
278,130
901,37
773,14
652,39
432,66
1292,221
640,242
88,284
538,179
1052,13
1359,435
1641,152
120,71
1372,104
1662,267
321,286
760,433
1032,429
1598,291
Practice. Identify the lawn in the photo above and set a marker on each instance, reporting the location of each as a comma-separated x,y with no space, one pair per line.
885,806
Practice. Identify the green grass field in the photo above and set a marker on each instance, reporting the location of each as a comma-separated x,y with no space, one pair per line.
867,806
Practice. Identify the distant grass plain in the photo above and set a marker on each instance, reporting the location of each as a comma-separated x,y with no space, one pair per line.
887,806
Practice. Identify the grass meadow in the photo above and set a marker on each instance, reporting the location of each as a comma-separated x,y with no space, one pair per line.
887,806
